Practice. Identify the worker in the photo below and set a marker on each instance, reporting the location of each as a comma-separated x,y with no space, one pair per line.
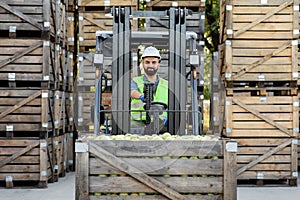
151,62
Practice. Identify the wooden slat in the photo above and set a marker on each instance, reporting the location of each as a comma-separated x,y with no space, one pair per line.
135,173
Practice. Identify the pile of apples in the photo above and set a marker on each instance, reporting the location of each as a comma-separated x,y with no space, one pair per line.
165,136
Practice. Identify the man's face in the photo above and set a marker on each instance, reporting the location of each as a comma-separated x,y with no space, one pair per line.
151,65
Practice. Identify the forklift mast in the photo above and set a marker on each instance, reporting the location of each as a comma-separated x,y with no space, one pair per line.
121,69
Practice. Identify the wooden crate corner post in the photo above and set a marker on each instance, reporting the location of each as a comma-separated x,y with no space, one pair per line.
82,173
230,167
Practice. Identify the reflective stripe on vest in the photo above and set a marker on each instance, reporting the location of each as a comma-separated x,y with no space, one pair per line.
161,95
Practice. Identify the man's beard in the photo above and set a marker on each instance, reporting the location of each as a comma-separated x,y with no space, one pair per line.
151,72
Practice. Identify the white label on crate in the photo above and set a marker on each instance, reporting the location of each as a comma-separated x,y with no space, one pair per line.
71,74
81,147
65,164
11,76
80,98
231,147
71,98
57,47
43,173
215,119
201,96
55,167
81,39
80,18
264,1
174,4
8,179
71,135
295,42
203,0
106,2
70,119
295,75
46,24
202,82
215,98
43,144
263,99
55,122
70,162
80,59
296,104
202,17
81,79
295,174
229,31
228,43
45,95
228,7
56,96
296,31
296,8
98,58
46,78
58,32
296,130
12,29
260,176
294,141
71,18
80,120
9,128
71,39
228,130
227,75
45,125
46,43
71,56
261,77
228,103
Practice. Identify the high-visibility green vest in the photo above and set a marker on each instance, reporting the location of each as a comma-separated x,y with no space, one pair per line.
161,95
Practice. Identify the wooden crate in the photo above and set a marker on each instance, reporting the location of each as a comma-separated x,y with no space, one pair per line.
194,23
29,62
59,110
256,19
263,159
104,3
25,161
155,169
25,113
33,18
69,108
84,109
89,23
70,161
268,116
259,60
60,155
195,5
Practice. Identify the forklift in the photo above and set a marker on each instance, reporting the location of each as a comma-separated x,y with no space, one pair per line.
121,46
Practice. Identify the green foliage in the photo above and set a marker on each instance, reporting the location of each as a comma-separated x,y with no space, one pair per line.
212,17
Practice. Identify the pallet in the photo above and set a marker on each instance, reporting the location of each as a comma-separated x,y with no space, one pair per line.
265,116
33,19
267,160
154,169
259,60
195,5
255,19
25,161
25,111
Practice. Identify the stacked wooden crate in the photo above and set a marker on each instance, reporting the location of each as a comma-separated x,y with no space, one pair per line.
92,18
170,169
259,47
34,83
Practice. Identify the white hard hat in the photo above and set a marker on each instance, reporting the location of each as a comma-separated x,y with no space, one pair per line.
151,52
